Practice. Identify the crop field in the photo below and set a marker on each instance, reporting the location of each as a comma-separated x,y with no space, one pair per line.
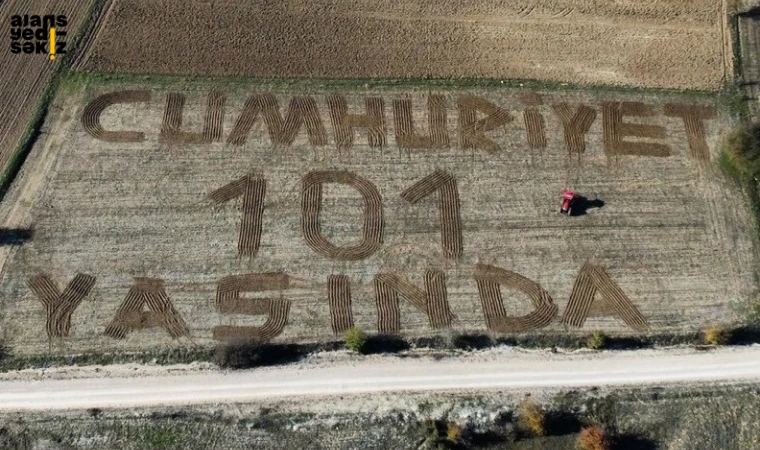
173,217
667,43
24,77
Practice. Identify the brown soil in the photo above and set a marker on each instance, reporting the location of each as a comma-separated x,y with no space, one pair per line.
693,117
59,306
432,301
616,130
535,126
671,43
672,234
344,123
406,137
490,278
91,116
472,130
575,126
130,315
277,318
448,205
339,296
228,301
24,77
253,189
590,280
171,131
302,110
311,201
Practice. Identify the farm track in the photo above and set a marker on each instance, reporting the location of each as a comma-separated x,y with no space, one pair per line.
514,372
24,77
669,43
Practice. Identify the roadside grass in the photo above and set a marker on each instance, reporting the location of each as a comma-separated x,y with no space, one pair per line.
643,418
251,354
739,160
85,78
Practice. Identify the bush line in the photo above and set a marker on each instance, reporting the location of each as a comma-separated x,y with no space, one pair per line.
249,354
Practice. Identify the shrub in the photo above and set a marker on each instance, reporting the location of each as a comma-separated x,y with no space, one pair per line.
355,339
593,438
597,341
453,432
742,148
532,416
715,335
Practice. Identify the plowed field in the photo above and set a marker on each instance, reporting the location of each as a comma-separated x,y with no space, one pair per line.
666,43
198,214
24,77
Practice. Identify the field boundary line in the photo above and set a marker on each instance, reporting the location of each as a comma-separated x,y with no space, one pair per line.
30,181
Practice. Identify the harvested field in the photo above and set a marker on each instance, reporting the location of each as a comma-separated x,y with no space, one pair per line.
295,214
24,77
671,43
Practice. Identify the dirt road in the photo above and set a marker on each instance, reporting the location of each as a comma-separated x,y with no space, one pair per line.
515,371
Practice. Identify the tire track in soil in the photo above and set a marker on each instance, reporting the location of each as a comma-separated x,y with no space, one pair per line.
432,301
93,111
593,278
59,306
130,315
339,297
695,131
490,278
228,301
311,201
448,205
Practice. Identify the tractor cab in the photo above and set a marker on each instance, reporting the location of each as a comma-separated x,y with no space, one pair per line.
566,206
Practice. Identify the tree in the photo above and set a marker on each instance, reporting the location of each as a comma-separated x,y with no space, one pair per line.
355,339
532,416
593,438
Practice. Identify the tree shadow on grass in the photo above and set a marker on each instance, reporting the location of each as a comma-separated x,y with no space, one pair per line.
560,423
250,354
747,335
473,341
486,439
627,343
15,236
383,343
632,441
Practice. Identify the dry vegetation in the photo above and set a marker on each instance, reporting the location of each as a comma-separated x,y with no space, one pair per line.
688,418
362,210
673,43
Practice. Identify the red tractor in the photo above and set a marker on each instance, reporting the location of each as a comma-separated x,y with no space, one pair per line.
567,201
